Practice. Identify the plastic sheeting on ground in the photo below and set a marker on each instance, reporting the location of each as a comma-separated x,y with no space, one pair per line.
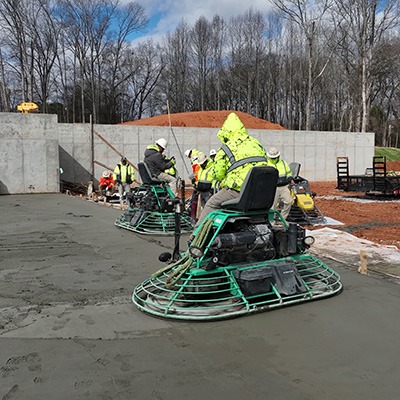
345,248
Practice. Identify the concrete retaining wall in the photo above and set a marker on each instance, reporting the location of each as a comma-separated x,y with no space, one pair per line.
33,147
29,158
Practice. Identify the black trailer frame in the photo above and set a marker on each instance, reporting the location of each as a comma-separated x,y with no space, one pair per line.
375,181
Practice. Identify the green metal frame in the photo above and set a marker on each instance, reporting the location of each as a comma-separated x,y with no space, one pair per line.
154,222
210,295
215,294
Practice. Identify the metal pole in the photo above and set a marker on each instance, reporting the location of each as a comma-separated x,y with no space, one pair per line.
176,253
176,141
92,147
112,147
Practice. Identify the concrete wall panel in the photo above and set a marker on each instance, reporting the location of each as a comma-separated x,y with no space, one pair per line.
28,153
34,146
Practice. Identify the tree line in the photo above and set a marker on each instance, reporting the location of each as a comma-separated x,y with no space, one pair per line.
305,64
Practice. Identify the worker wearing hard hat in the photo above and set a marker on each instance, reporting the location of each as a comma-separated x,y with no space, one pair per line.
106,183
206,181
124,177
158,163
193,155
285,179
213,153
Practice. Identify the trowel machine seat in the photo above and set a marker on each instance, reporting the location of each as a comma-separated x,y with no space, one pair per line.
152,195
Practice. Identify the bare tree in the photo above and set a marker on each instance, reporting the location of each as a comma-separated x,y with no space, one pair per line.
201,54
176,74
309,16
44,34
117,70
146,69
13,15
217,45
247,44
4,91
364,29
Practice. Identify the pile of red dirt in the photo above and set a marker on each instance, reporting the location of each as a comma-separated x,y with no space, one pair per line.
205,119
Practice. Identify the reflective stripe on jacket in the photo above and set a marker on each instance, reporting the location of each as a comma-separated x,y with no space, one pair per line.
238,154
124,173
207,174
285,174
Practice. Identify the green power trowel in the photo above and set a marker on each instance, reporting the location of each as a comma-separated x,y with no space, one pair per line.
151,209
243,259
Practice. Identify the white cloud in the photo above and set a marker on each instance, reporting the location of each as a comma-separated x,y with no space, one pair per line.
166,14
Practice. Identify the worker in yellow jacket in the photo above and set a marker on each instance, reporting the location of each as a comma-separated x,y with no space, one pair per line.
285,179
124,176
238,154
206,182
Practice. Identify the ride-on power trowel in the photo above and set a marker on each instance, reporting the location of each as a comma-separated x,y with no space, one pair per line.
239,261
303,210
152,208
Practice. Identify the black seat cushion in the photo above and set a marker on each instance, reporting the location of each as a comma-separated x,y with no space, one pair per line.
145,174
257,192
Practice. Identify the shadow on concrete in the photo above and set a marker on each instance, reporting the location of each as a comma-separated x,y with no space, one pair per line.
3,188
72,171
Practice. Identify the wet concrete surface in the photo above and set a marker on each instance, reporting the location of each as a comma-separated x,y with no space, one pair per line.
68,328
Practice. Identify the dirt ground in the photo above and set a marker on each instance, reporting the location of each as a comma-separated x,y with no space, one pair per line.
367,218
377,221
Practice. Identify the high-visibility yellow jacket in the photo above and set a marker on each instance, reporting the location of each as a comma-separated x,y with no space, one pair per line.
124,173
285,174
207,174
238,154
171,171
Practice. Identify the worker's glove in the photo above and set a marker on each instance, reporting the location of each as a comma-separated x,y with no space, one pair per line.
192,178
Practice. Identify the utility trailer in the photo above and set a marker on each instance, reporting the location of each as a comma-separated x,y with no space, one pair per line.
376,181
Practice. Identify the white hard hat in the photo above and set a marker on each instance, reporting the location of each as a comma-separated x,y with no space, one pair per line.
106,174
273,152
201,158
162,143
187,152
213,152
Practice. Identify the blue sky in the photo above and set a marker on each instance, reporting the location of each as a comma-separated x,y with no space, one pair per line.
164,15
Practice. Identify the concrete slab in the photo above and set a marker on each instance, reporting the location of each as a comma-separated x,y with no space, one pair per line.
68,329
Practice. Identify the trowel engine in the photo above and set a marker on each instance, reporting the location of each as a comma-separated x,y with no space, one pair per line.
146,200
247,241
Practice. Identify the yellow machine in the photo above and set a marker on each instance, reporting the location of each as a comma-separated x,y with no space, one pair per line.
304,210
27,107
